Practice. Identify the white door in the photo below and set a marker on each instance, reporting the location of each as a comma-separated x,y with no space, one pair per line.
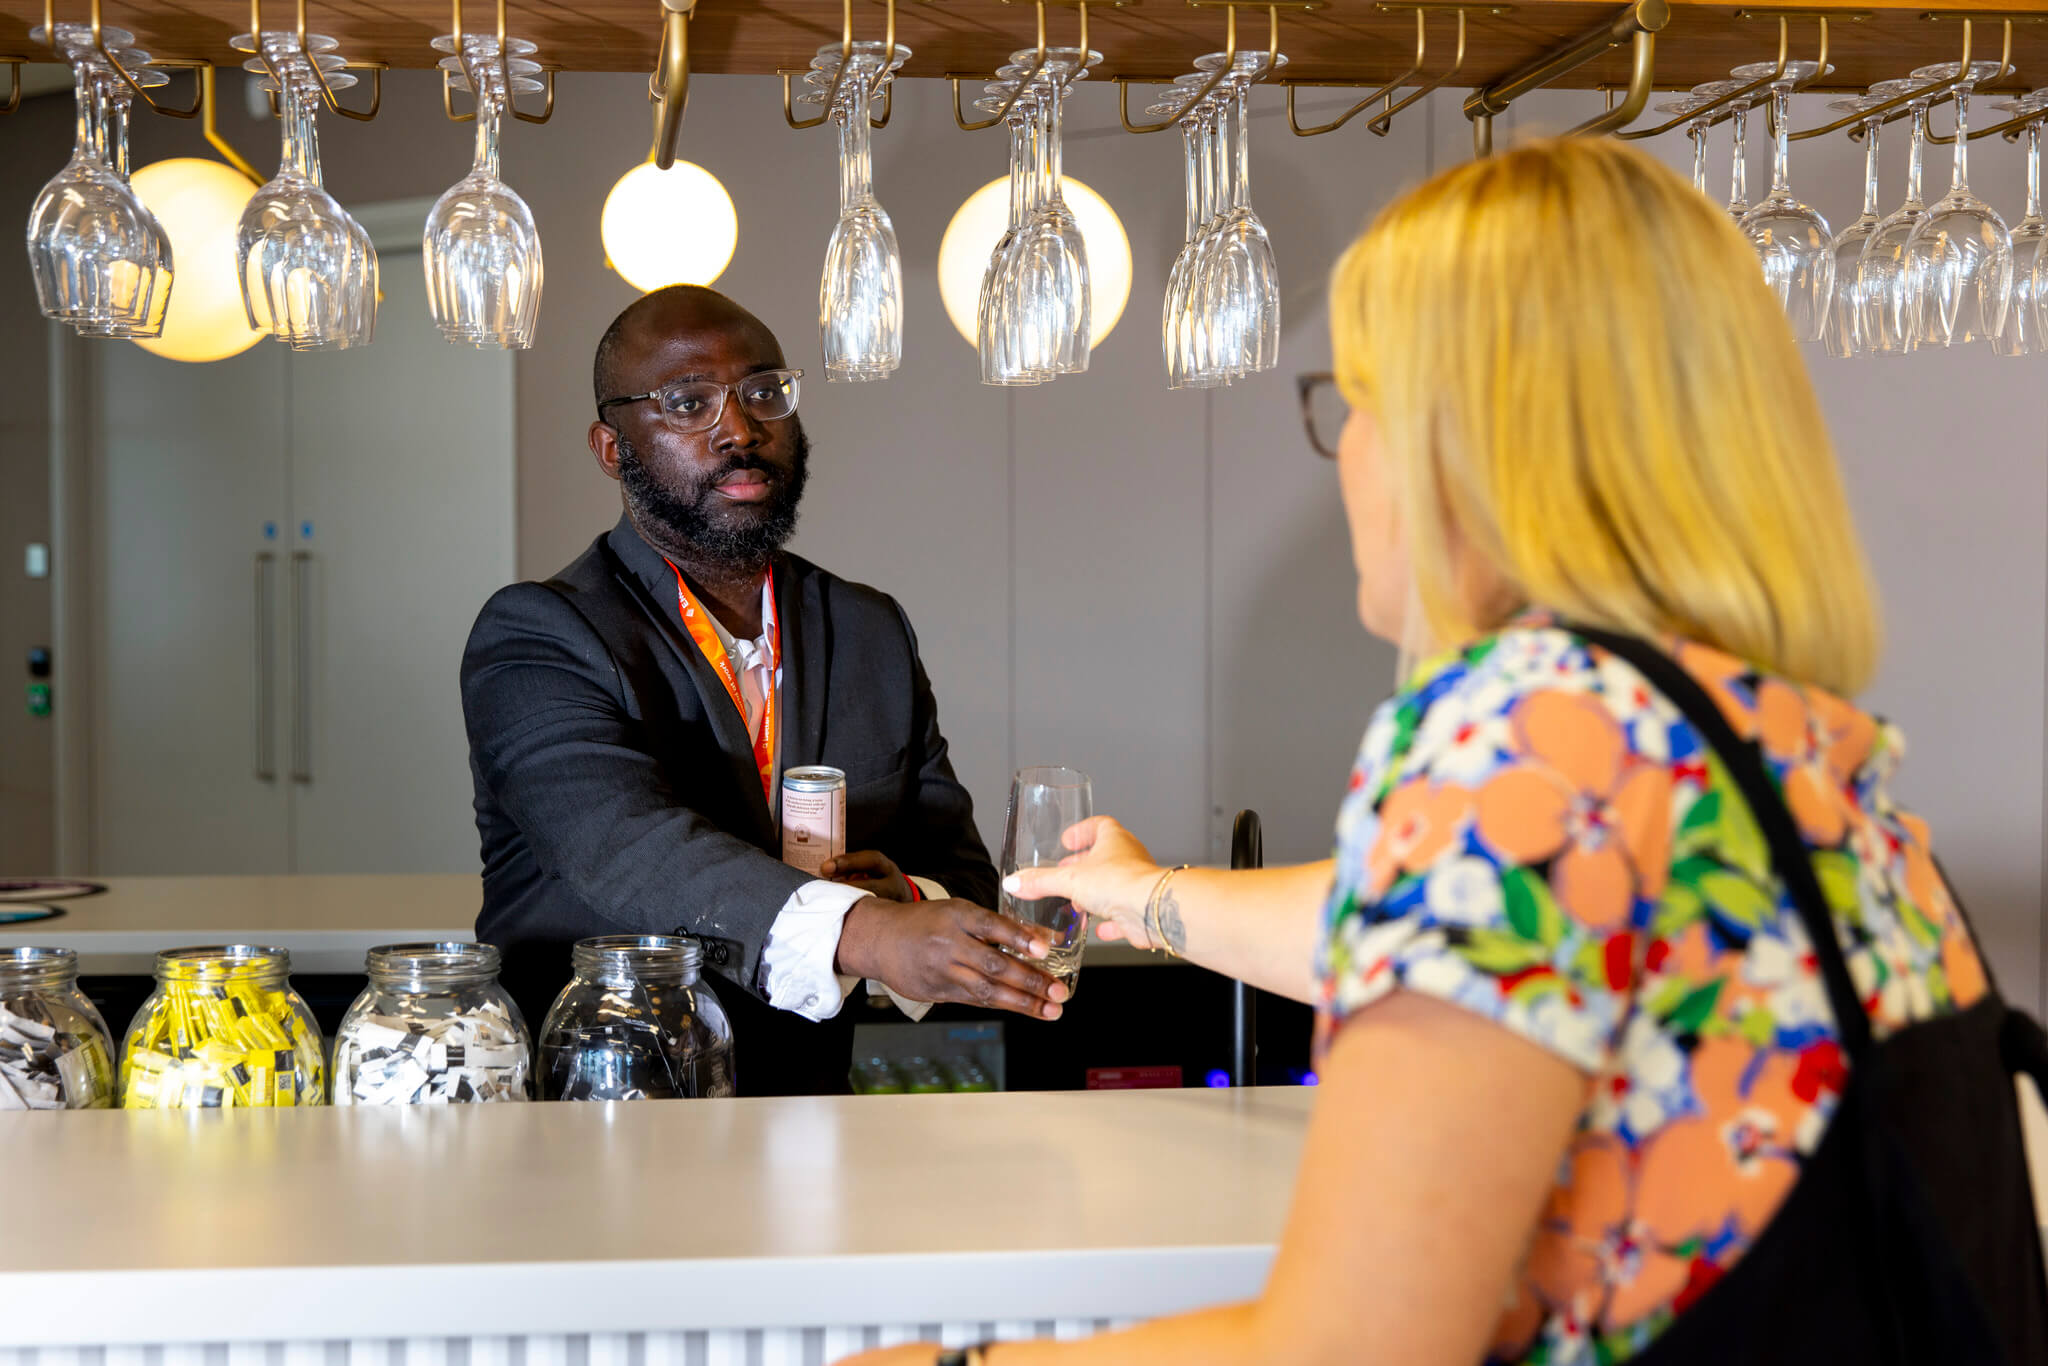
402,467
190,556
291,550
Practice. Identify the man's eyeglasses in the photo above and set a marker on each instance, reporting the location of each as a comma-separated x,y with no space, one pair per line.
695,405
1323,411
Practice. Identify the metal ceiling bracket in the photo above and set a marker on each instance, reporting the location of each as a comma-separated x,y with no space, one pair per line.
13,88
1898,106
1383,122
1641,17
1721,103
1229,63
99,43
882,86
209,125
327,95
1024,82
669,87
504,73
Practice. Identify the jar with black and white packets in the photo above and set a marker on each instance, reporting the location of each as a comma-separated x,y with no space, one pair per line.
55,1051
636,1022
433,1027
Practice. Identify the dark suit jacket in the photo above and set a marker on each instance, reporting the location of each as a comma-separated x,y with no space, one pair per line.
616,791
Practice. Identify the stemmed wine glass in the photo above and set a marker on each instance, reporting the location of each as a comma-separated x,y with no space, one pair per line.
480,248
2023,316
1844,332
1790,238
100,260
1241,295
1738,179
308,269
1696,131
860,293
995,337
1959,258
1888,316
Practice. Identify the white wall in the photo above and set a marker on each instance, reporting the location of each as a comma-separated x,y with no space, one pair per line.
1156,586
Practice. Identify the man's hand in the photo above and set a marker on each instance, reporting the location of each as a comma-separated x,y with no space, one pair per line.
872,872
950,951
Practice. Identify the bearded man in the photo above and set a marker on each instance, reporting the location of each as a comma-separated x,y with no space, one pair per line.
630,718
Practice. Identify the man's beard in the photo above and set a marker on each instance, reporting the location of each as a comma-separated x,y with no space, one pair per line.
694,516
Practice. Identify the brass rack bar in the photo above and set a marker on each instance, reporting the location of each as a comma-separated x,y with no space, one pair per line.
1386,91
209,124
99,43
1381,124
13,89
669,87
1897,106
327,95
1024,82
1642,75
1745,94
1229,63
882,87
1643,16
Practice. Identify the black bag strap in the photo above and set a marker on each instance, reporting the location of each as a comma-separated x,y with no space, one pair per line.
1789,853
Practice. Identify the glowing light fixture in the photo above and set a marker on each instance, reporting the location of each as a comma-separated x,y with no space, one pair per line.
979,224
669,227
200,204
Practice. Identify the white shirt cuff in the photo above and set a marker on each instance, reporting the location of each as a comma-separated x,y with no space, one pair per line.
798,960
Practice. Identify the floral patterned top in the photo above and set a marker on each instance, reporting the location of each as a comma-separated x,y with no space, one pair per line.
1534,834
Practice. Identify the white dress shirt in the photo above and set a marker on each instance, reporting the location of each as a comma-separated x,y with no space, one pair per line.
798,961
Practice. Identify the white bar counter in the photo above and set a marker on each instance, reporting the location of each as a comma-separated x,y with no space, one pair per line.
326,922
650,1233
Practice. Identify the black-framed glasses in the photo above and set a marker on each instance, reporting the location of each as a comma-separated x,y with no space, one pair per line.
695,405
1323,411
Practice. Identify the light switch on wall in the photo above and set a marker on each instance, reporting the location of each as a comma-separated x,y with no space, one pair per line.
38,560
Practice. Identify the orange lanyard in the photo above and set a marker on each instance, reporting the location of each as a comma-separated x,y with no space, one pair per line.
706,635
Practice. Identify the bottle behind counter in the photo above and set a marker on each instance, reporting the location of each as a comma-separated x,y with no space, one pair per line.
636,1023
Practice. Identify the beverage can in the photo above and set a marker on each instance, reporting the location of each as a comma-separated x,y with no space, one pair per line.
813,816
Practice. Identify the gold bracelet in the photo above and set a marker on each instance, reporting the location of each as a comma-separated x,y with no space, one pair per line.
1152,930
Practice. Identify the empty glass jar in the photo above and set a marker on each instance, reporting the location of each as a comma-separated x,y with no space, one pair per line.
433,1027
55,1052
636,1023
223,1028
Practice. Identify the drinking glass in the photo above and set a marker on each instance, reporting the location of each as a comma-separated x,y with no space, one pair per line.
480,248
308,269
1001,358
142,300
2022,333
1791,239
1843,335
1049,285
860,293
99,258
1241,281
1738,179
1044,804
1959,258
1888,318
1696,131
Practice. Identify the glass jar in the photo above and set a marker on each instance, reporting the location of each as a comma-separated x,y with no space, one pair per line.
432,1028
223,1028
55,1051
636,1023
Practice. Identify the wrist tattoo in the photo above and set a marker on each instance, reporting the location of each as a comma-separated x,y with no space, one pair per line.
1170,924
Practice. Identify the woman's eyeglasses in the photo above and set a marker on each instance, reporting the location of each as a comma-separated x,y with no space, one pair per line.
695,405
1323,411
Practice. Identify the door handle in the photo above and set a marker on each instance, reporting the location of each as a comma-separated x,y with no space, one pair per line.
302,666
266,666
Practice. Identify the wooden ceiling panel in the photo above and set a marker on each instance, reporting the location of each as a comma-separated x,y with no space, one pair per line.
1348,40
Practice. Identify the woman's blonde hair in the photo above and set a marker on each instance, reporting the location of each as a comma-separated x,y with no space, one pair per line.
1578,371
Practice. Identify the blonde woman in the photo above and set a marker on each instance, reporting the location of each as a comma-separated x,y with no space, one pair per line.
1592,1089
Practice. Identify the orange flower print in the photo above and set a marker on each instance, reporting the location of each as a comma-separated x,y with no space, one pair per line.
1574,796
1821,742
1417,823
1715,671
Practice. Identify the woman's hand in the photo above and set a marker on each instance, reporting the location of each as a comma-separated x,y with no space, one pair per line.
1110,876
872,872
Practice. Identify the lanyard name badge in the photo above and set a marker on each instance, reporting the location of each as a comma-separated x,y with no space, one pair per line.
698,623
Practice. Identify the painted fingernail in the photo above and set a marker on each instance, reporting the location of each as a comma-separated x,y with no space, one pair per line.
1012,884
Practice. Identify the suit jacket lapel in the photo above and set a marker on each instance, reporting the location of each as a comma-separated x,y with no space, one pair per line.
806,659
637,563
